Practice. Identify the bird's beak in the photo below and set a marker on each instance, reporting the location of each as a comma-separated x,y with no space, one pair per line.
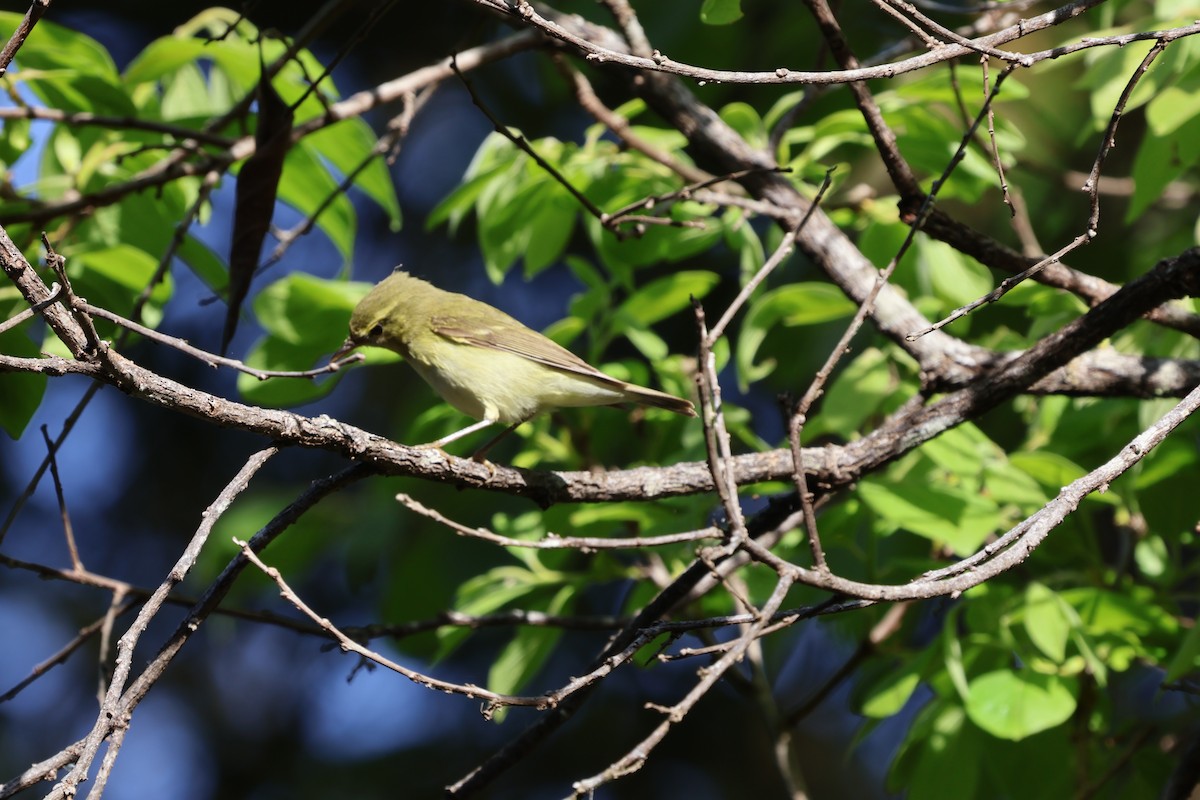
347,347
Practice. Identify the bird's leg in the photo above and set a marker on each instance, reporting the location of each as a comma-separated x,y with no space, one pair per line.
447,439
478,455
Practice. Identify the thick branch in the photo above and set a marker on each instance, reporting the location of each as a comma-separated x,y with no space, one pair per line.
828,467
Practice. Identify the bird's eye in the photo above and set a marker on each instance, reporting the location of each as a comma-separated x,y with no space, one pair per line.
376,332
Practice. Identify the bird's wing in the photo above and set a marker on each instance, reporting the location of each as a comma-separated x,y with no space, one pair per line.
517,339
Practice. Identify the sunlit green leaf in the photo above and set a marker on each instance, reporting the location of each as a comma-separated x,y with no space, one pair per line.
790,306
529,649
720,12
960,519
20,392
1015,705
1047,626
666,296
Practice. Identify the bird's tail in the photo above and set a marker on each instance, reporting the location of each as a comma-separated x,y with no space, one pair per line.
652,397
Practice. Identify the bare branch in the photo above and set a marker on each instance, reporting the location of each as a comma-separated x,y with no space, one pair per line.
111,715
553,24
36,9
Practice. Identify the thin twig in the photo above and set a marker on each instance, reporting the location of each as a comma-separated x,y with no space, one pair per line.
948,34
211,359
635,757
31,311
105,655
526,14
36,9
997,159
610,221
781,252
350,645
716,436
36,478
1090,186
1002,288
587,98
626,19
81,638
72,550
111,715
387,144
86,118
178,237
1109,140
553,541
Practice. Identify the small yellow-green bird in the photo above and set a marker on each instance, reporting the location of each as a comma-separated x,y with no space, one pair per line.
482,361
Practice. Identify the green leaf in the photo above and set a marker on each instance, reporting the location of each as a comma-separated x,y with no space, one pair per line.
188,95
1047,625
1154,167
20,392
1015,705
306,184
1007,484
958,518
667,296
962,450
940,757
620,187
206,264
648,343
952,654
346,146
111,277
57,47
516,209
487,593
743,239
1051,470
272,353
955,278
1169,459
305,319
790,306
744,119
460,201
301,308
1172,108
549,230
1152,556
1187,657
1105,612
162,57
1107,77
667,140
858,392
929,140
528,651
67,69
887,696
833,131
597,520
720,12
67,150
79,93
781,107
14,140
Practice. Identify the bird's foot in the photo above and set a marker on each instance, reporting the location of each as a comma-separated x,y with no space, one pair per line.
491,468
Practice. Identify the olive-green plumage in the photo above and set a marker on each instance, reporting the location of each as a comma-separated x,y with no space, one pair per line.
482,361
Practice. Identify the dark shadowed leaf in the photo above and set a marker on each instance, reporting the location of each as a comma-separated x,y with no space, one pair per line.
257,185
